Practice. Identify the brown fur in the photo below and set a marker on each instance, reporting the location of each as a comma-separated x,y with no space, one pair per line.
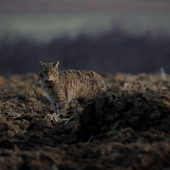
63,87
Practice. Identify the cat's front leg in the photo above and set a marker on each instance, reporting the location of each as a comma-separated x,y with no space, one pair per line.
62,107
60,100
56,108
56,115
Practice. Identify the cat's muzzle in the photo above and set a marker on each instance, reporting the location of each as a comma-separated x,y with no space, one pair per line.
48,79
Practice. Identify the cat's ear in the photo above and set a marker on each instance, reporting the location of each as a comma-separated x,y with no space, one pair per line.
41,64
56,64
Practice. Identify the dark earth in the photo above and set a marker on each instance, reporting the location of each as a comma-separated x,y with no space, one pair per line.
126,127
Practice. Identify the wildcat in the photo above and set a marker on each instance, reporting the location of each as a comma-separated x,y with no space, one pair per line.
62,87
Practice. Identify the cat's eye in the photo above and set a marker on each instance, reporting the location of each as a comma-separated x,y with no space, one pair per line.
51,72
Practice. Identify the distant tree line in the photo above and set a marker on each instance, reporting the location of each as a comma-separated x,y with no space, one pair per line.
111,52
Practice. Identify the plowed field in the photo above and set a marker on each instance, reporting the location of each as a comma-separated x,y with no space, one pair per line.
126,127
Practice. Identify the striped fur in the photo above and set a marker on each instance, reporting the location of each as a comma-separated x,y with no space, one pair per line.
63,87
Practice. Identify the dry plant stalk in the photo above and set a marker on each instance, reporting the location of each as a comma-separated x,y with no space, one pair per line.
55,117
32,110
13,114
7,102
163,73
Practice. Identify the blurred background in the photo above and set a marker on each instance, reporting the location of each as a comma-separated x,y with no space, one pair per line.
129,36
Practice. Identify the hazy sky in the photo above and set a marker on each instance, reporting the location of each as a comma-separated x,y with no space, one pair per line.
47,19
82,6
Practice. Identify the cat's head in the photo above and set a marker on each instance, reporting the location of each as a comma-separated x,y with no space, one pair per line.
49,71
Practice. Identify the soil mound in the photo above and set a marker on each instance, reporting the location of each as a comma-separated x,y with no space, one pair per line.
135,104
